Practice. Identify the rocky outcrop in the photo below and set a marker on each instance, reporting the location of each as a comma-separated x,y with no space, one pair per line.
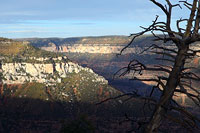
49,73
101,45
89,48
51,47
102,48
94,48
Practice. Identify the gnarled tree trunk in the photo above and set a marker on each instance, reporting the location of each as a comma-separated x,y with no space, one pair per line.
173,81
177,77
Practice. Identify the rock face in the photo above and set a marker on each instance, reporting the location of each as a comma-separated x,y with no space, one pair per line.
90,48
101,45
49,73
100,48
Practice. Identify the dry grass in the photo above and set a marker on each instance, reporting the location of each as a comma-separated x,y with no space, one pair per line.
12,48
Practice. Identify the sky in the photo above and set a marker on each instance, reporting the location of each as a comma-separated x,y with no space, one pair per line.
73,18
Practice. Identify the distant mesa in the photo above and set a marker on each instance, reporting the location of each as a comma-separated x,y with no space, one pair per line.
102,44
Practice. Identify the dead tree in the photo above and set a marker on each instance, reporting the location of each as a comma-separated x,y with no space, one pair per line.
178,77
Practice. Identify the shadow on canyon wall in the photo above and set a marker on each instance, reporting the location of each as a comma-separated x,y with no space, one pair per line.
39,116
34,115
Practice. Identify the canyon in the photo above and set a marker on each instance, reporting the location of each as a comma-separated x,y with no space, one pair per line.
90,48
60,79
99,54
99,45
21,65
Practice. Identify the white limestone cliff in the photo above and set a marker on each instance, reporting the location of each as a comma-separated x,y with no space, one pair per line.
102,48
49,73
90,48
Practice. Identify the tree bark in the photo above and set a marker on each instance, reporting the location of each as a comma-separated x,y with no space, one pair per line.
173,81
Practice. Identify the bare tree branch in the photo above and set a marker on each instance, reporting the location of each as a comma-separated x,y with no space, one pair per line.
173,74
192,15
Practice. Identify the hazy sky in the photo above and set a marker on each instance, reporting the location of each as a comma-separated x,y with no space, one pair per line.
68,18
